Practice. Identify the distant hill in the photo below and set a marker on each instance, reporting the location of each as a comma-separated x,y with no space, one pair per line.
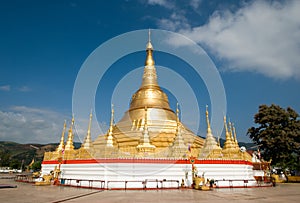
12,151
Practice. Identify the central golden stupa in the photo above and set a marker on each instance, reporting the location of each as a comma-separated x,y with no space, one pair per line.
149,129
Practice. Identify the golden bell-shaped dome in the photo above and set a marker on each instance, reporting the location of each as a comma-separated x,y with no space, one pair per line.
149,94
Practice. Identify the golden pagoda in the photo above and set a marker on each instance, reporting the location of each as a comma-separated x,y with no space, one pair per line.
178,149
211,148
231,149
61,145
86,150
149,122
150,128
150,142
69,151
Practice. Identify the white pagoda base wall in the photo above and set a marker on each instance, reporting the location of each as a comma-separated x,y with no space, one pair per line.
161,174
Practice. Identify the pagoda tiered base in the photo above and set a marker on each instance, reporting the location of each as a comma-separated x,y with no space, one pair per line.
152,173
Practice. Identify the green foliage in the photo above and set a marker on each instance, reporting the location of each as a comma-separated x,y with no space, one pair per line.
277,135
14,154
7,160
4,158
36,166
15,164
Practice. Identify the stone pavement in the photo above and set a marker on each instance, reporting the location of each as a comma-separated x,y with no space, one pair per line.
25,192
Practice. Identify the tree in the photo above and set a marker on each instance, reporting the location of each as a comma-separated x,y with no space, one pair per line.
4,158
36,166
277,135
14,164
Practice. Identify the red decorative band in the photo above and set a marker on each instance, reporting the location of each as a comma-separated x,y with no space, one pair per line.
150,161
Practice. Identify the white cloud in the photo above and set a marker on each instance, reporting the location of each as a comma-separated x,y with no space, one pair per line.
163,3
33,125
29,125
5,88
177,19
262,37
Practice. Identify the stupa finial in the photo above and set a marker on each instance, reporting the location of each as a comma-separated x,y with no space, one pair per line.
61,145
207,121
72,124
145,145
111,118
149,49
88,142
177,113
109,142
225,125
69,144
149,45
230,130
90,124
227,134
234,133
177,119
178,148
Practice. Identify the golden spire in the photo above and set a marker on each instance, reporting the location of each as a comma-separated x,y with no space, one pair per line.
210,143
228,141
145,145
234,133
178,148
149,77
177,112
146,120
109,142
111,119
69,144
230,130
90,121
179,142
207,121
149,93
88,142
61,145
178,133
149,49
226,129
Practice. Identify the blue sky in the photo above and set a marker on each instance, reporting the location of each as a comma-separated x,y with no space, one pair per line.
255,46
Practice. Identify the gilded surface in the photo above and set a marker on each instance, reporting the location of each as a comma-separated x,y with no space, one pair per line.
150,128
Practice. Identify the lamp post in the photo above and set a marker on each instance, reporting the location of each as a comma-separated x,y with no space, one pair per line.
192,160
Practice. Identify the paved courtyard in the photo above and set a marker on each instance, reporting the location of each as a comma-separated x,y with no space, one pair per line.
25,192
